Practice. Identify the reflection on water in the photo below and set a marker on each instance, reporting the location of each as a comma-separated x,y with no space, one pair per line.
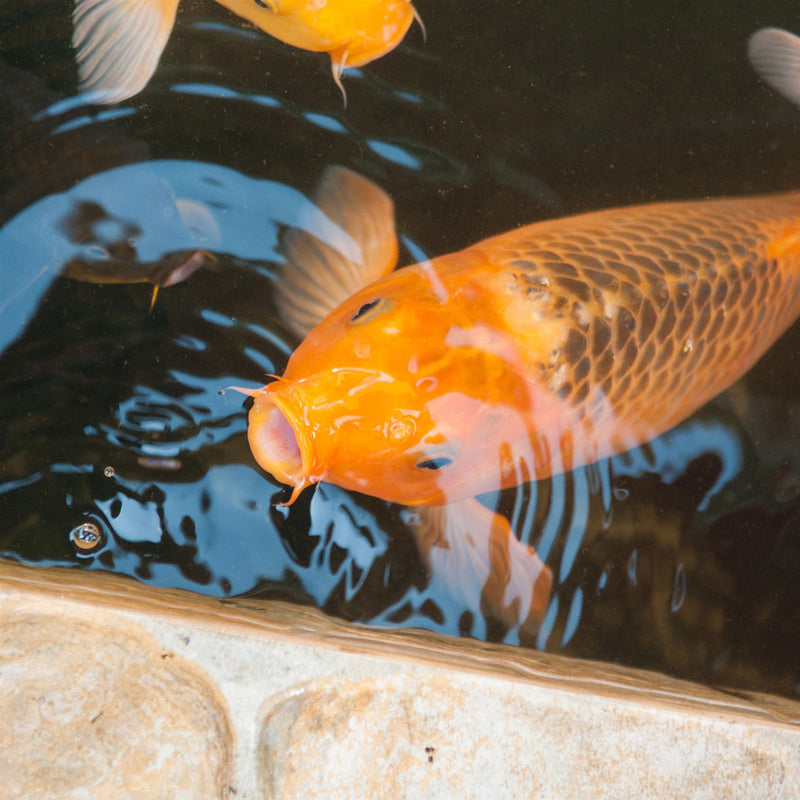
123,451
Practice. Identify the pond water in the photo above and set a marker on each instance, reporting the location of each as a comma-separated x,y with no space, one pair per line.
120,449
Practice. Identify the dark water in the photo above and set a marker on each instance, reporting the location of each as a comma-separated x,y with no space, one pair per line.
682,556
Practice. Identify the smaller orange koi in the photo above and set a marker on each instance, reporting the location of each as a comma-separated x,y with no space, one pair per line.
119,42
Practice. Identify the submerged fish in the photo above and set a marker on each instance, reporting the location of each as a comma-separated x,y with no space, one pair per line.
525,355
119,42
102,215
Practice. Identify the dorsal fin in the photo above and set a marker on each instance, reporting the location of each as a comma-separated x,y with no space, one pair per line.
775,56
317,275
119,43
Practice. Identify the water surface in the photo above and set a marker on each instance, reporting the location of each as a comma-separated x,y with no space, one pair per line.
681,556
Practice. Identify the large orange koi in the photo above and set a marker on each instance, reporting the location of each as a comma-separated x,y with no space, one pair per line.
119,42
525,355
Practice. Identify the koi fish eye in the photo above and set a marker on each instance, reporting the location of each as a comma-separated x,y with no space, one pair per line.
435,463
370,310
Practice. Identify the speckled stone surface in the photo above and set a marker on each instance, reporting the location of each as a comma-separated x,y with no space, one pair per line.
94,707
111,689
435,737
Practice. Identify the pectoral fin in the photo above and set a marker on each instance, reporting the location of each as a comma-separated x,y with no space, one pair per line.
119,43
473,550
324,268
775,56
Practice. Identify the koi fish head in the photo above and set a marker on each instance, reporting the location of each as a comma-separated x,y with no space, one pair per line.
392,396
370,30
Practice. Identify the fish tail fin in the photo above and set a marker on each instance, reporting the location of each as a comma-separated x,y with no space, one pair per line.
324,268
475,553
119,43
775,56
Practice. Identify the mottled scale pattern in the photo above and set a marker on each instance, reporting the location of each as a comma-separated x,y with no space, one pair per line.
663,306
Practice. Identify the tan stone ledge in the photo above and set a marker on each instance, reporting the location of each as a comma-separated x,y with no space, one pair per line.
113,689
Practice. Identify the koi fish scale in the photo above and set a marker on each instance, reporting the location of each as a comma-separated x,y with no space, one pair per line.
660,304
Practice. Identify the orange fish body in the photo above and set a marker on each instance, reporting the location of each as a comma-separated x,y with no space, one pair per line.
524,355
354,32
119,42
527,354
534,351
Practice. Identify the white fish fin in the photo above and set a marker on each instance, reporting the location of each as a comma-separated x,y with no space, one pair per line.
183,270
319,274
775,56
119,43
474,551
199,219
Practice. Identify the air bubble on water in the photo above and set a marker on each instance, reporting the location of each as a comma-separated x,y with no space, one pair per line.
620,493
109,472
86,536
221,392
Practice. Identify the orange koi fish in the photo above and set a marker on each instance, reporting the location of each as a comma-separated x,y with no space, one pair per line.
527,354
119,42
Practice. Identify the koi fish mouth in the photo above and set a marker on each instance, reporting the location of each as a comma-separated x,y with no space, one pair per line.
276,444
